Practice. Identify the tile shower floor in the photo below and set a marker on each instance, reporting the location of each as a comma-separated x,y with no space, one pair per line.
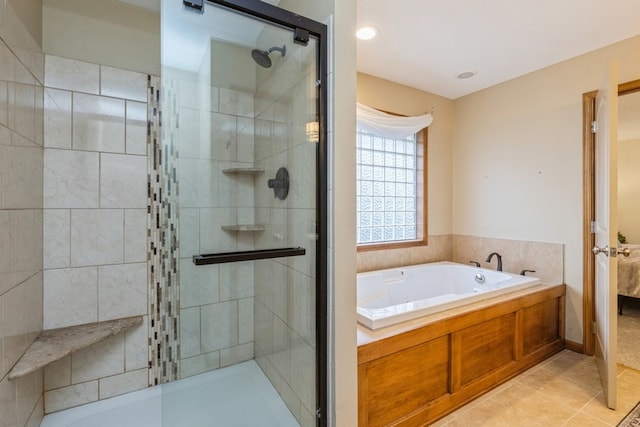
564,390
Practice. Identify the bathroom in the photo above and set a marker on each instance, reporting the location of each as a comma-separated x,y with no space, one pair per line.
532,114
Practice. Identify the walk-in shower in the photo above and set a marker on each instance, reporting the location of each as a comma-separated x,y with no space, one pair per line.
240,275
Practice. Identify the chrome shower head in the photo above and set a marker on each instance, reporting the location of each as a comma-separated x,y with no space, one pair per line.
262,56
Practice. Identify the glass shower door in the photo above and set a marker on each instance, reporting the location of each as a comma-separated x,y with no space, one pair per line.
241,196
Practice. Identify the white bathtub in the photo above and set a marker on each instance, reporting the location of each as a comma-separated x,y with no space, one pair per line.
387,297
238,395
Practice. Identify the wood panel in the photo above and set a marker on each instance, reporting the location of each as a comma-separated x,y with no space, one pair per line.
486,347
541,323
406,381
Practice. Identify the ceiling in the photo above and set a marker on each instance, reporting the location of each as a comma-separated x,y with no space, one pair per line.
425,44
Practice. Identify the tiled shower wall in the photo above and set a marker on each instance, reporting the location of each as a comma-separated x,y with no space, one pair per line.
21,140
285,324
95,225
216,301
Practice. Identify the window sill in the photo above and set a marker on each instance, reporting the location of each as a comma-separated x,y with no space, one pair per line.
391,245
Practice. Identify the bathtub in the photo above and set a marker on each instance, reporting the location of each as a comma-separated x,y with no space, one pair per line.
219,397
388,297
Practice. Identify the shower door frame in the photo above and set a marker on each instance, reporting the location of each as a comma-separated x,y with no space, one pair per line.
284,18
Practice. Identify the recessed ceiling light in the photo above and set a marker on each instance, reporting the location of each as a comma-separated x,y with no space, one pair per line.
466,75
367,32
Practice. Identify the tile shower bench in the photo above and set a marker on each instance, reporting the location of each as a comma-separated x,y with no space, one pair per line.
54,344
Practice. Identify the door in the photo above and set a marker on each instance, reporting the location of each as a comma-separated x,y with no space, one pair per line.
243,103
605,230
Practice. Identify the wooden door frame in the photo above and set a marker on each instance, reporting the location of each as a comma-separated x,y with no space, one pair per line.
589,207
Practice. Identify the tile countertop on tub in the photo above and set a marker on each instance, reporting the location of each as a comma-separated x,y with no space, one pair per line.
368,336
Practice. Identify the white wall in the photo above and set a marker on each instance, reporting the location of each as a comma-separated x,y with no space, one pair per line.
629,190
517,159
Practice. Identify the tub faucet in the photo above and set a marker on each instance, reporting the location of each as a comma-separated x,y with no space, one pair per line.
490,257
476,263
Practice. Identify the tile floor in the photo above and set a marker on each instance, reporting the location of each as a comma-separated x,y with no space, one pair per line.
564,390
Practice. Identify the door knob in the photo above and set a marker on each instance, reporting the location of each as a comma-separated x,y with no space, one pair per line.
596,250
624,251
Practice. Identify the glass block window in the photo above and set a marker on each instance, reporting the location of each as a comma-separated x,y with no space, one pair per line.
389,189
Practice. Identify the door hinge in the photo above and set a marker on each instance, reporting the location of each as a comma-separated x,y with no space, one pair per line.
594,327
593,227
594,127
319,413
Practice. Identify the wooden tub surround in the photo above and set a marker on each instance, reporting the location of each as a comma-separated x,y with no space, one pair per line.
416,372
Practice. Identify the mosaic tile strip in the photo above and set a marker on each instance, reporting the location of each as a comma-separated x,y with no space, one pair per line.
163,257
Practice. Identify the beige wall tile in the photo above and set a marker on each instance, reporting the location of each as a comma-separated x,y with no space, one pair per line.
136,128
198,179
439,248
22,174
135,235
8,407
123,84
57,238
547,259
7,245
219,326
70,297
220,142
123,181
4,113
199,364
199,285
233,355
28,392
136,350
68,397
236,280
28,246
71,179
58,374
22,109
97,236
122,291
57,118
303,370
2,334
22,318
189,133
302,305
189,232
99,360
236,103
245,140
35,419
62,73
245,321
190,344
98,123
123,383
212,237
